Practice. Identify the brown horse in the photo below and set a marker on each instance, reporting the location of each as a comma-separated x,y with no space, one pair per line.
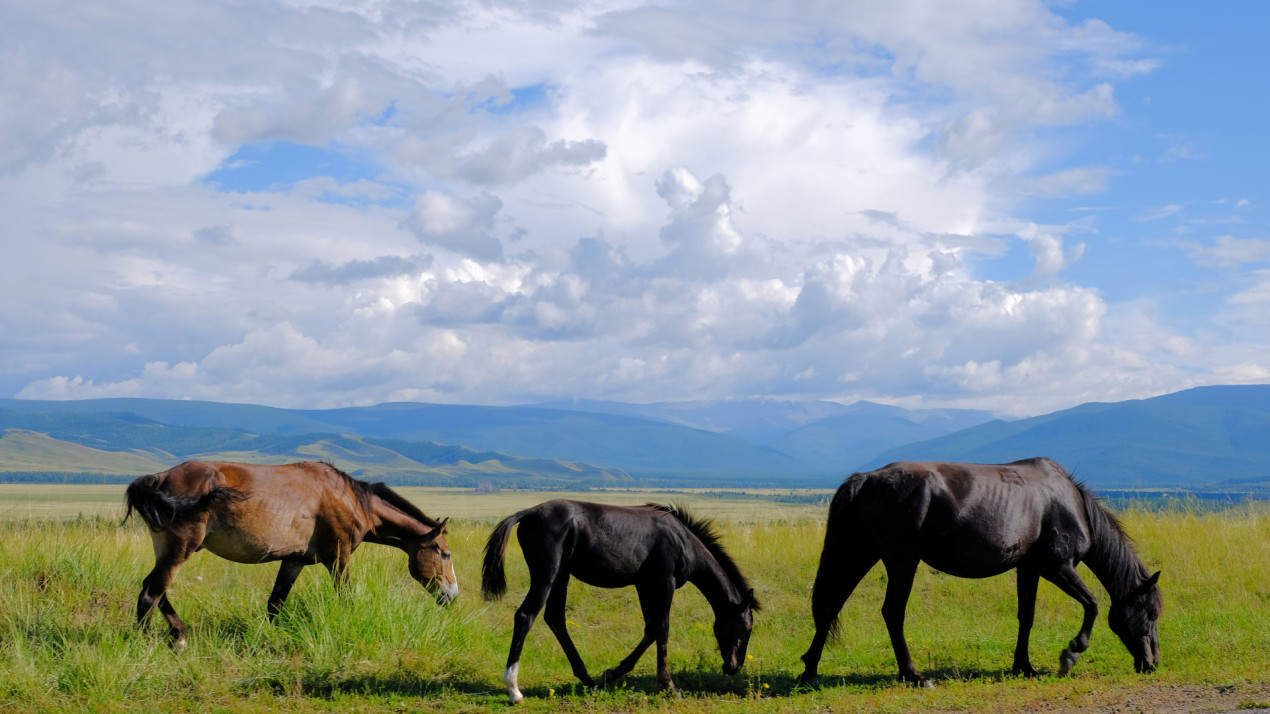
300,514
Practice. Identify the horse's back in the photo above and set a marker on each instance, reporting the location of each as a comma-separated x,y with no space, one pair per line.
607,546
285,507
972,520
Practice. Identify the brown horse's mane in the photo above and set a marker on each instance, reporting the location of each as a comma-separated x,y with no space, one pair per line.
366,492
704,529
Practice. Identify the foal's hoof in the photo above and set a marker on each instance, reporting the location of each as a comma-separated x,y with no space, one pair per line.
917,681
608,677
1028,672
178,645
513,701
1066,661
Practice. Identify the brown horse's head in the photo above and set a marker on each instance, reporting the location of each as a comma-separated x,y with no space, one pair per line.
432,564
1135,620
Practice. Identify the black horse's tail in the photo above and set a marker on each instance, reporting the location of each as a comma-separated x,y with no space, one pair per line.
493,580
161,510
826,598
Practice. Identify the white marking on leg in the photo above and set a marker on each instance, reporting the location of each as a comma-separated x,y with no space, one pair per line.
509,679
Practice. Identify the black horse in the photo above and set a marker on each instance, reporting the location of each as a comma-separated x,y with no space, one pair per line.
655,548
977,520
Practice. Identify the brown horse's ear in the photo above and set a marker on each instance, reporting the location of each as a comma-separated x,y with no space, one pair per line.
447,520
432,534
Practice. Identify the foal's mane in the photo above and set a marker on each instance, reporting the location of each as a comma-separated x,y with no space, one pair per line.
365,493
1111,553
704,529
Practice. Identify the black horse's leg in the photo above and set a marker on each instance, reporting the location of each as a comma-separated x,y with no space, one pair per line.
171,551
1067,579
836,579
1028,578
654,602
899,583
287,575
555,618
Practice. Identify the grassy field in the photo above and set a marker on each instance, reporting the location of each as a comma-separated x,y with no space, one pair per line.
69,576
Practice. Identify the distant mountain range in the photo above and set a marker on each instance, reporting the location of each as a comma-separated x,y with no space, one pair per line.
1199,437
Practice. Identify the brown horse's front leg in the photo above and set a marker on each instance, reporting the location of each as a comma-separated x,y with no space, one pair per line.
287,574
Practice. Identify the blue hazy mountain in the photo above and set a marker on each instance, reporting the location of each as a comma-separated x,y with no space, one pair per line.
1200,436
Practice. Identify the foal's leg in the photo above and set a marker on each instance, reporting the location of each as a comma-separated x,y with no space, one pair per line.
654,602
1027,582
170,553
554,616
836,579
543,559
287,575
899,583
1066,578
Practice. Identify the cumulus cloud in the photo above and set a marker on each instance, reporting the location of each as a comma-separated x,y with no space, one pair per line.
463,226
699,200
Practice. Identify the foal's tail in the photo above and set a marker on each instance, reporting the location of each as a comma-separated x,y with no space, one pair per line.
826,595
493,580
162,510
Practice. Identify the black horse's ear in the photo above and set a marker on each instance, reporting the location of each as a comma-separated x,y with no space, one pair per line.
1153,579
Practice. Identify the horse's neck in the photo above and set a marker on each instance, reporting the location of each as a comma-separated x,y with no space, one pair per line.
1115,565
711,580
392,526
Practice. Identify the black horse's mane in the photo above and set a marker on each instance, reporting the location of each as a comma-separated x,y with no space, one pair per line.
704,529
366,491
1111,553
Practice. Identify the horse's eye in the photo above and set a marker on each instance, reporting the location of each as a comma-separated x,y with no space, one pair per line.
445,556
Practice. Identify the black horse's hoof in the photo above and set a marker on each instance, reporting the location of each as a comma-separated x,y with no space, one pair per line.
608,678
1066,661
916,681
806,681
1028,672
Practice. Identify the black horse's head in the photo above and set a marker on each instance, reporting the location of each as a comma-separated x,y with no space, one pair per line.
732,628
1135,620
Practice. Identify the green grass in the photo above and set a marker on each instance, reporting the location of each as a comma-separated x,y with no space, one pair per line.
67,640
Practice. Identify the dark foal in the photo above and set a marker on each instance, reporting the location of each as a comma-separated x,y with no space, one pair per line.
974,521
655,548
299,514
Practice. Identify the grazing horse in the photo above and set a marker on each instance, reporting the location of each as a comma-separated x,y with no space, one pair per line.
655,548
974,521
299,514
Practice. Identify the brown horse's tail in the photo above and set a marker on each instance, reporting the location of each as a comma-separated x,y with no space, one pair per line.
493,580
161,510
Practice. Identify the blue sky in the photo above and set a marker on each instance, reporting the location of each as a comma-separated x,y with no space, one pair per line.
999,204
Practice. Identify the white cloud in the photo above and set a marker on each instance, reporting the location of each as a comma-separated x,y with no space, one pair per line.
614,200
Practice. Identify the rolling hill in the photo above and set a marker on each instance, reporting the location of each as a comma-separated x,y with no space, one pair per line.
1198,437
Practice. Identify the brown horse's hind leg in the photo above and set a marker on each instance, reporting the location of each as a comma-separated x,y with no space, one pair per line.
170,553
899,583
1067,579
1028,579
287,574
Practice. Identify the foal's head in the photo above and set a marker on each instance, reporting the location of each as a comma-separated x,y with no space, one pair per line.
1135,619
432,564
732,627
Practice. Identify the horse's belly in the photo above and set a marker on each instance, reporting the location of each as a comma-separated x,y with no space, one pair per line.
243,545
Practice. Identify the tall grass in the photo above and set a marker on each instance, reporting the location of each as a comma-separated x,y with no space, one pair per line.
68,641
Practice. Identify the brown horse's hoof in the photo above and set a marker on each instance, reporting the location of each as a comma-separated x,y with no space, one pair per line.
178,645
